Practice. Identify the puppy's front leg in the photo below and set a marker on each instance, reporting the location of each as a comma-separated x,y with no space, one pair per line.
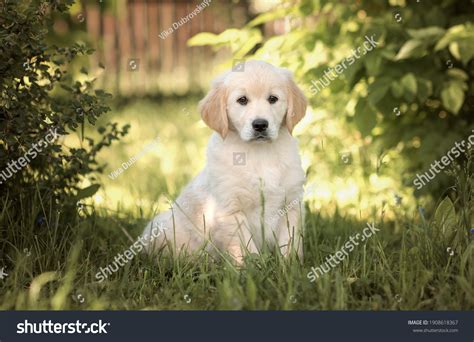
291,229
233,236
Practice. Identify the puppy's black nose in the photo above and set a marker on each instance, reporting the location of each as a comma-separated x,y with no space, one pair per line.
260,125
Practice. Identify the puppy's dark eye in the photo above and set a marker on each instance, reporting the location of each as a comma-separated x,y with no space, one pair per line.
242,100
272,99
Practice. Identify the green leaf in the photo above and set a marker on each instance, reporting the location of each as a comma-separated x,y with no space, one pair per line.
377,90
458,74
455,33
87,192
445,216
240,41
365,117
454,49
464,50
203,38
227,36
411,49
428,34
247,45
269,16
396,89
452,95
425,89
373,62
460,39
409,84
354,73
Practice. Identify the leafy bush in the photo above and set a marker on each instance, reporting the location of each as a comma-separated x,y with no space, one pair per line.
39,96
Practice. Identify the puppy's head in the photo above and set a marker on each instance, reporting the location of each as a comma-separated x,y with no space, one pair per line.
254,102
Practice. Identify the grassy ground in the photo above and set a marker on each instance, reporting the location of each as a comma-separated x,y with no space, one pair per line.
416,261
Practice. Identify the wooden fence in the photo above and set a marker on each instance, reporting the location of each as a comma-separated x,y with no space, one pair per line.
126,36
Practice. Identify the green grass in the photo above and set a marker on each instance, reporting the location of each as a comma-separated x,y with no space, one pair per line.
406,270
51,262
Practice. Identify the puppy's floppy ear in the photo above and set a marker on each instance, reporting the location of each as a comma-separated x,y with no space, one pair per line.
296,103
213,108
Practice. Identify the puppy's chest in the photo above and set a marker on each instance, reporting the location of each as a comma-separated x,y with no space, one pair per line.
260,176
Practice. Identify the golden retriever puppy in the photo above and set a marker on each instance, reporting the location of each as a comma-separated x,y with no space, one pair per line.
249,195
